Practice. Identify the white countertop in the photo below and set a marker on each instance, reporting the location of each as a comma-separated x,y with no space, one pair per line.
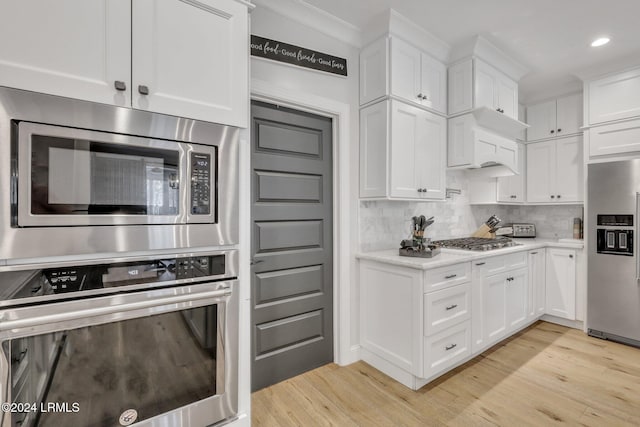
454,256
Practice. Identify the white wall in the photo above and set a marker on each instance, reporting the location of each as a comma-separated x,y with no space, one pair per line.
267,23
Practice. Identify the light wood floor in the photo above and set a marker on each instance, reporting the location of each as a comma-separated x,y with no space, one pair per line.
545,375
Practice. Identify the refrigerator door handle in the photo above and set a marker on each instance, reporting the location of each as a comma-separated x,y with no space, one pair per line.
636,255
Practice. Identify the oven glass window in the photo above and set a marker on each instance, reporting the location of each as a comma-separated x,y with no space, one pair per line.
81,177
152,364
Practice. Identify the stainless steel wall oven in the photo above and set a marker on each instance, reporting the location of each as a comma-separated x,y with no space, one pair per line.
89,178
151,341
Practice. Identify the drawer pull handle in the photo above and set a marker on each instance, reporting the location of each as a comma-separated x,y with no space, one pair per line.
451,307
451,276
480,263
534,253
450,347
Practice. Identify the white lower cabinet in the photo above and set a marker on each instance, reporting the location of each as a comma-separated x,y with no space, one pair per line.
561,283
417,324
537,282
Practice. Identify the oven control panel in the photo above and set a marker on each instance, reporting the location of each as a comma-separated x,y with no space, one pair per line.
200,184
74,279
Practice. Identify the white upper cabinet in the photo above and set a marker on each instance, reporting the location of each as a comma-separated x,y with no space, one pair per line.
511,189
391,66
73,48
374,66
558,117
614,97
402,152
473,83
187,59
555,171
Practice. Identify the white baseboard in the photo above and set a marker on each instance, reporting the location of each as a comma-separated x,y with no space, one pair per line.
575,324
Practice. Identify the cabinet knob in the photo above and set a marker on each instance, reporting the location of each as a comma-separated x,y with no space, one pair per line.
424,190
559,130
419,190
553,197
120,85
570,256
558,196
144,90
420,96
425,97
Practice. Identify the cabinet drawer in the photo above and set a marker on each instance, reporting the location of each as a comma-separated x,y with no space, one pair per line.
498,264
444,350
444,277
446,307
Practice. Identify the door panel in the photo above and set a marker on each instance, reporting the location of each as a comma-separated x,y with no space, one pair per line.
494,308
540,171
196,70
569,167
517,299
406,128
507,92
71,48
405,70
485,89
291,215
569,114
542,119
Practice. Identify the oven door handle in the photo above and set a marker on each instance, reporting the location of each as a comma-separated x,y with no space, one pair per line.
60,315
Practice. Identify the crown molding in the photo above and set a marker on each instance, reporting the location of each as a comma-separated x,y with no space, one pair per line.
317,19
487,51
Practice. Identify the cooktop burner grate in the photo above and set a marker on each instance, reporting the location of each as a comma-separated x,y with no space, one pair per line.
476,243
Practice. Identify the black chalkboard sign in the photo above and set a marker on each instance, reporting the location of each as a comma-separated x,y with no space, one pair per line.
296,55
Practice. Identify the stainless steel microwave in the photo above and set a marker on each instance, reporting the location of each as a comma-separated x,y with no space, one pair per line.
83,178
77,177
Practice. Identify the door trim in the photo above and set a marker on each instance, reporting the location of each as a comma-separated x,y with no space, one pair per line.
343,352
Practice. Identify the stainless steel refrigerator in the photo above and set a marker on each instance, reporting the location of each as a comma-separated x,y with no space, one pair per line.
613,292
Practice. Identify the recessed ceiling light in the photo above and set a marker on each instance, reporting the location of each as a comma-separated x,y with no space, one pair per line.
600,42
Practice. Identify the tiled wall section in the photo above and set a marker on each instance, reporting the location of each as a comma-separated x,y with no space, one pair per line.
383,224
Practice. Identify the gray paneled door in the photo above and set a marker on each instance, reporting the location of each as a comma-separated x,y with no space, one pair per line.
291,247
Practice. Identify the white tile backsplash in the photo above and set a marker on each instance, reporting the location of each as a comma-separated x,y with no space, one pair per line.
383,224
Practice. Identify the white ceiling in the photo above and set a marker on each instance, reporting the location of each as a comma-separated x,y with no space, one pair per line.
551,37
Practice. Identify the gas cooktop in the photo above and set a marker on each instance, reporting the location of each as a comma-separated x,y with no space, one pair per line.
476,243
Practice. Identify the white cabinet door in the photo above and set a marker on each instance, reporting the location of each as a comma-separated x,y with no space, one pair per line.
569,113
72,48
537,264
507,96
460,84
561,283
434,84
511,189
569,167
392,324
517,290
541,169
407,150
542,119
374,63
615,97
406,62
494,322
485,86
431,158
191,57
374,140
